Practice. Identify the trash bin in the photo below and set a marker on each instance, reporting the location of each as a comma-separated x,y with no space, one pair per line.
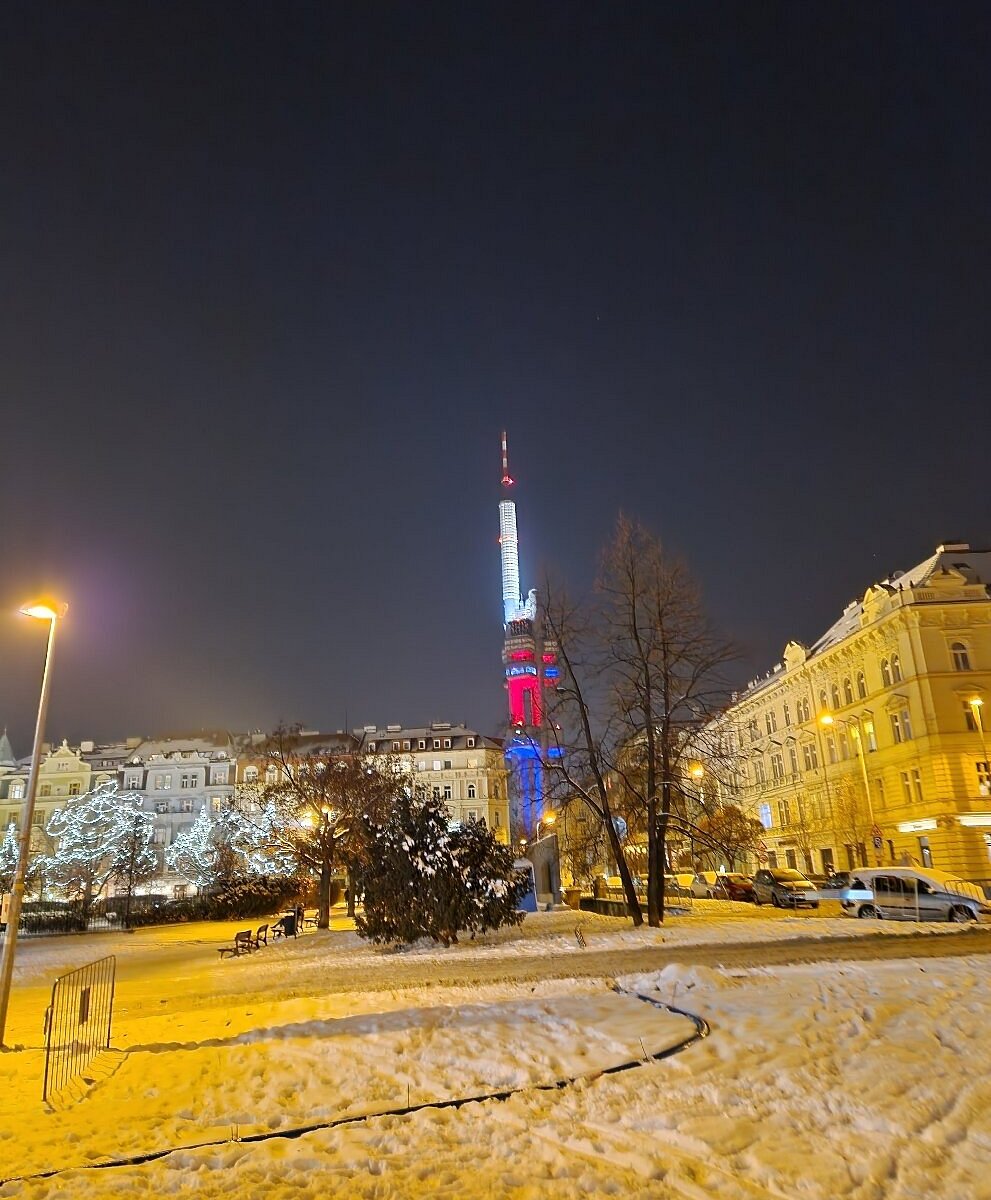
288,924
572,896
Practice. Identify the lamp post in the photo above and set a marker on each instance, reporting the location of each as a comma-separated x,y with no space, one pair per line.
51,611
825,721
875,836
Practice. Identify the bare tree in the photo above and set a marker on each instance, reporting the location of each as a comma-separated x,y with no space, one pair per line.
317,805
642,677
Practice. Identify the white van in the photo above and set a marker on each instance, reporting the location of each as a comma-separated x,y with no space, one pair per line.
911,894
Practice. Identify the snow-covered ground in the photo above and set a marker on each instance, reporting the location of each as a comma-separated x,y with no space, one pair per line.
869,1081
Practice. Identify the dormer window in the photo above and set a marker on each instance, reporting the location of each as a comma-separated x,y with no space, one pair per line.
447,743
371,747
471,743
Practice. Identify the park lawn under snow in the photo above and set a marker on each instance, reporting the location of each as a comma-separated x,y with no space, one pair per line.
841,1080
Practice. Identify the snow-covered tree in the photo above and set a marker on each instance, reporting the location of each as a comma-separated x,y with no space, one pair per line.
425,878
8,858
214,851
101,835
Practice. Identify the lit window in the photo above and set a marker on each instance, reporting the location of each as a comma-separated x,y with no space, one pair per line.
870,735
764,812
163,783
961,657
17,790
437,764
983,778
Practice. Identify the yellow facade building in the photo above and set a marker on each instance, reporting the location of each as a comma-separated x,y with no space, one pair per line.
871,746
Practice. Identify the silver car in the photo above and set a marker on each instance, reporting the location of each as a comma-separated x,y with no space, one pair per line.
910,894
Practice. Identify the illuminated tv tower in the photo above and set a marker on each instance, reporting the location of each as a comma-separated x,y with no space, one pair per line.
530,664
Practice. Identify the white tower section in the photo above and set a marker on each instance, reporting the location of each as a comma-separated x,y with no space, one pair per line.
512,598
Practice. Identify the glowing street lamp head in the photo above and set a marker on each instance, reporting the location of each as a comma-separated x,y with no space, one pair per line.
976,702
44,609
698,771
826,720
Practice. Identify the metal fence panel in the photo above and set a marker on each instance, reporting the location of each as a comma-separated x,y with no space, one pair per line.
78,1021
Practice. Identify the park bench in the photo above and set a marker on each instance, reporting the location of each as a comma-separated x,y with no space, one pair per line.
243,944
261,937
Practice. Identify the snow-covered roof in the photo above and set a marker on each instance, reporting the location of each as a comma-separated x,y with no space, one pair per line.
974,566
458,734
6,751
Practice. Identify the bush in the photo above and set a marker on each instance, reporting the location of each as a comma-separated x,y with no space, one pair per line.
424,879
247,896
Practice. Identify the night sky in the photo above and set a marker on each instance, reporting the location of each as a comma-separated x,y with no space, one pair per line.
275,276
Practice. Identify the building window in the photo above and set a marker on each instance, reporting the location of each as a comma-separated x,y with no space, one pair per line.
421,744
471,743
784,812
495,791
371,747
790,859
436,743
471,791
437,764
759,773
163,783
810,757
447,743
961,657
764,814
885,673
861,685
901,726
187,781
133,781
777,767
906,787
831,748
186,805
436,791
395,746
847,691
870,736
447,764
447,791
250,774
968,716
17,790
823,700
834,695
215,804
983,778
162,806
272,775
772,859
925,852
844,745
46,789
770,722
793,759
218,774
406,745
802,709
38,817
421,764
879,789
74,789
917,784
158,836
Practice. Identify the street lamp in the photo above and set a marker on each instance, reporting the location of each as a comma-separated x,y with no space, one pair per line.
825,721
52,612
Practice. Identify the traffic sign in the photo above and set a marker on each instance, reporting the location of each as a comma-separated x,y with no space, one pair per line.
877,842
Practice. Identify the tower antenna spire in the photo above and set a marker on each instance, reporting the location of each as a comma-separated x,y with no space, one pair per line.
507,479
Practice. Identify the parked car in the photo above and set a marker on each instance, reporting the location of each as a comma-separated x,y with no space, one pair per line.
832,883
704,884
784,888
679,885
734,886
912,894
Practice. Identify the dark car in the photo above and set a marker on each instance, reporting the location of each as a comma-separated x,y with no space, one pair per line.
835,882
733,886
784,888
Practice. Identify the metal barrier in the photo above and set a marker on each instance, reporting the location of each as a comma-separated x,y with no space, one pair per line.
77,1023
